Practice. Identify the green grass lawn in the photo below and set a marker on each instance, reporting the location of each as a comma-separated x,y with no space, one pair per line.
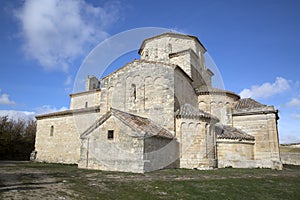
74,183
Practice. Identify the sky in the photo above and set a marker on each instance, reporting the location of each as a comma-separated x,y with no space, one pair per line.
255,45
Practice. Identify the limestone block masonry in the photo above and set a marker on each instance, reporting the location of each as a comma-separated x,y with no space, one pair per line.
160,112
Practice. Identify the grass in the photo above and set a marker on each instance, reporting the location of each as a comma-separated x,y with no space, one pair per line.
74,183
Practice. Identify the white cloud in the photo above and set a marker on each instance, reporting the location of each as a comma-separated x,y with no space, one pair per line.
68,81
56,32
266,89
15,114
4,99
30,115
294,103
49,109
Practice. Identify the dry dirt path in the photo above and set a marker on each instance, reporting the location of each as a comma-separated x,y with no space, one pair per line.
27,183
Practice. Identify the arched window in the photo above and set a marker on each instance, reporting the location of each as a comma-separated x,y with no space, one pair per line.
207,129
52,130
169,48
86,104
133,91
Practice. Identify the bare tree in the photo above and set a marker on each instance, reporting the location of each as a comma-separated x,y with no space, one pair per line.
17,138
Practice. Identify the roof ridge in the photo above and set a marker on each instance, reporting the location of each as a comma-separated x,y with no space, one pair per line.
140,124
96,124
143,124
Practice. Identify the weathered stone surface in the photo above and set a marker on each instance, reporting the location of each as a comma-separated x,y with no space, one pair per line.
235,153
169,89
61,144
85,99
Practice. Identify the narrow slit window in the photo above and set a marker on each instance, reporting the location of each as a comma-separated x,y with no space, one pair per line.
52,130
86,104
110,134
133,90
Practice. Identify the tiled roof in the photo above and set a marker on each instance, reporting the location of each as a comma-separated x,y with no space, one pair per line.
248,104
189,111
143,126
229,132
211,90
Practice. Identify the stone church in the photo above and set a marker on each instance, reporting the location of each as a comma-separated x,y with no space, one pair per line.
160,112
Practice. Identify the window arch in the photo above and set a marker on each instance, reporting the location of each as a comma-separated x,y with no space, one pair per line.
52,130
133,91
169,48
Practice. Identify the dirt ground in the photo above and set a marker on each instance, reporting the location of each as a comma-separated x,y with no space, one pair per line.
19,182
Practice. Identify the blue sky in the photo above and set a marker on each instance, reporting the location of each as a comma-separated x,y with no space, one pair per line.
255,45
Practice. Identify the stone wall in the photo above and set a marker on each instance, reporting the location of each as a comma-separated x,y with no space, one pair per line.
219,105
57,136
181,50
91,83
160,153
85,99
124,152
138,90
160,48
197,143
60,146
235,153
184,91
264,128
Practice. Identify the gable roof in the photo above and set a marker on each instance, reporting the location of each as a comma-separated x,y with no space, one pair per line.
249,106
143,126
229,132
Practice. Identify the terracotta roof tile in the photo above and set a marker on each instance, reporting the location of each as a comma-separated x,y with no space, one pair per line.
188,111
204,90
229,132
248,104
143,126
